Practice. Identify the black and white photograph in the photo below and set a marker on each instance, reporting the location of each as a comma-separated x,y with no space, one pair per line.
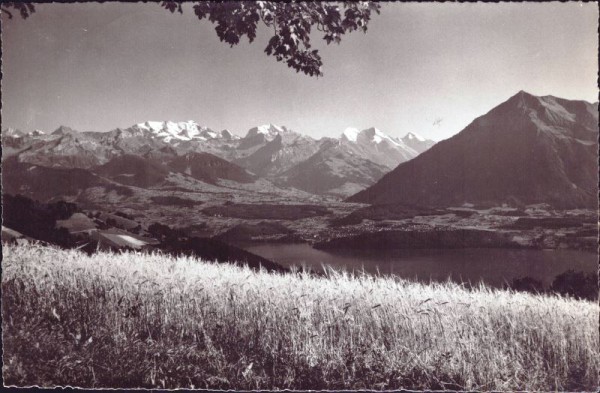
301,195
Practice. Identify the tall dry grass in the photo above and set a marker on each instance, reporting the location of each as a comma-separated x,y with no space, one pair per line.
135,320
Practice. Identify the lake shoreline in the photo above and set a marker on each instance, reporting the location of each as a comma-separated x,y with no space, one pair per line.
494,266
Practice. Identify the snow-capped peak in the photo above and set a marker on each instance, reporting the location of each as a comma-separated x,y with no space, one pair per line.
17,133
417,142
185,130
169,126
268,131
413,136
12,132
375,135
369,135
350,134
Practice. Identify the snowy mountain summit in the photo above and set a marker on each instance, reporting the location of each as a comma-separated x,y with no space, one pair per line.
417,142
267,131
381,148
351,134
183,131
12,133
335,166
375,136
412,136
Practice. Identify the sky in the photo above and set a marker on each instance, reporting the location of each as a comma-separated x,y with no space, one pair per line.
429,68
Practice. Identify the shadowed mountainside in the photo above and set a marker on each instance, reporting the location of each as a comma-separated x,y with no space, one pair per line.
527,150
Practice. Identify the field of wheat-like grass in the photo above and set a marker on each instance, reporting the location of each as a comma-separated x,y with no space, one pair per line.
137,320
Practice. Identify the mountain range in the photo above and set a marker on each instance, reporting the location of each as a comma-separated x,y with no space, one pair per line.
337,166
526,150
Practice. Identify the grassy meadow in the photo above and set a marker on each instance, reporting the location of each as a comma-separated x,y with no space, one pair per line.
139,320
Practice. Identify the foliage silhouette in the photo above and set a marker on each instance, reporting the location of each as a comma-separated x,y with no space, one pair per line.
24,9
576,284
291,22
527,284
38,220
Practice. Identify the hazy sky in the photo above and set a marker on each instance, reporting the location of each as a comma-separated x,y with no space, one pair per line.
102,66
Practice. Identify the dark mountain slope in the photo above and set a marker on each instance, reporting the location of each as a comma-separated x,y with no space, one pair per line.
527,150
209,168
42,183
133,170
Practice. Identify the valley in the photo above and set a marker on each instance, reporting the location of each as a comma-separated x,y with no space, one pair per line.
276,186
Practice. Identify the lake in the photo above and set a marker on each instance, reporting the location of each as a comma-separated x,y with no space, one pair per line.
492,265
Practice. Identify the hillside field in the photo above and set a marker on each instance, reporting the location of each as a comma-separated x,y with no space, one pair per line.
154,321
